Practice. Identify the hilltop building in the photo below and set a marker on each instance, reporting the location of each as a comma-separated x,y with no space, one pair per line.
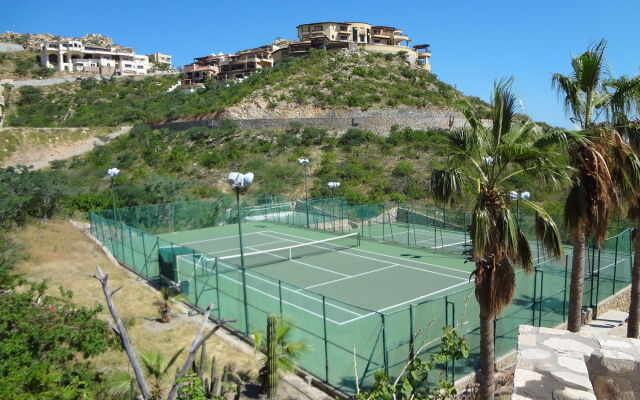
245,62
74,56
322,35
352,35
159,58
203,68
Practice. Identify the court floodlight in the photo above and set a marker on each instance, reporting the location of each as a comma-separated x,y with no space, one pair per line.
113,172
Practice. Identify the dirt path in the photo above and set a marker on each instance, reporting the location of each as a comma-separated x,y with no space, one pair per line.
40,158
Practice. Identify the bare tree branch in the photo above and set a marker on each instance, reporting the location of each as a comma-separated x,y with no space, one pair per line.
116,291
195,345
122,333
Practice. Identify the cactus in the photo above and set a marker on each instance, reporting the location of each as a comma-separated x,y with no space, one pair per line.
272,358
214,389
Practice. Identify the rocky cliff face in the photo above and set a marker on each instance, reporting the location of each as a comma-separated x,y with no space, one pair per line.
32,41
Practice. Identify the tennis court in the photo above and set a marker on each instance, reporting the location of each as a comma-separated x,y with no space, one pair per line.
356,279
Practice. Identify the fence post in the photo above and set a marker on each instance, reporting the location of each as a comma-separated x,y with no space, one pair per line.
326,342
564,299
533,301
246,306
133,256
384,346
411,337
215,267
144,252
280,296
615,263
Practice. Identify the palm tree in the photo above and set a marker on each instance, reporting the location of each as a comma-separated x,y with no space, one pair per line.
625,102
592,151
485,160
156,370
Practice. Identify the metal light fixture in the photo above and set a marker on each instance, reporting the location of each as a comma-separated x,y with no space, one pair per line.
113,172
333,186
517,195
239,182
304,163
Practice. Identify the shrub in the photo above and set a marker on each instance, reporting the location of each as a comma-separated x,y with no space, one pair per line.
403,169
355,137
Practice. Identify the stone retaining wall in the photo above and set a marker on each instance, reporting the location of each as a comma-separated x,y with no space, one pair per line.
379,123
557,364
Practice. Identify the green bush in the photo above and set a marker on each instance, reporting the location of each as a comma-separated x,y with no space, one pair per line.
403,169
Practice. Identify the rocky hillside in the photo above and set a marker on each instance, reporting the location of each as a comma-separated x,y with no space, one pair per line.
31,41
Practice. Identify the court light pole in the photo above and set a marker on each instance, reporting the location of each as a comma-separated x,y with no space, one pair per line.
113,172
333,186
240,182
305,164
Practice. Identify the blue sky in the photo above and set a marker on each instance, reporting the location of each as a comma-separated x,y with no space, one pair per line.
473,42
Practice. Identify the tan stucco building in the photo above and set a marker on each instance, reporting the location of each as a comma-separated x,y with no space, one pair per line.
374,38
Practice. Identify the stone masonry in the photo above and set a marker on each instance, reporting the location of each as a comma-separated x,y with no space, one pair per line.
560,365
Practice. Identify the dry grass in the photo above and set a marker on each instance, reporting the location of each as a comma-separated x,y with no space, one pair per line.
63,256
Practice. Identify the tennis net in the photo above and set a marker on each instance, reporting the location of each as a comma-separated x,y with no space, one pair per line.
272,256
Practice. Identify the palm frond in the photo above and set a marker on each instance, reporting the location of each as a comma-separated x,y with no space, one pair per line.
446,184
119,385
566,87
547,231
172,360
576,209
523,256
508,228
481,231
504,108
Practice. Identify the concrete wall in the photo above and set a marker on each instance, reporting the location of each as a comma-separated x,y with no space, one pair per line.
377,122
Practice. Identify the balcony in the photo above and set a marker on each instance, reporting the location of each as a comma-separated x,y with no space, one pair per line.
383,35
400,38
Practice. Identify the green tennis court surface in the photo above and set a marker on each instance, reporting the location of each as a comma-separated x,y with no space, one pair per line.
356,281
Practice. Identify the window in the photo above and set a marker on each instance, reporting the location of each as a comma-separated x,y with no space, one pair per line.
332,37
343,28
376,41
344,37
317,28
128,65
362,38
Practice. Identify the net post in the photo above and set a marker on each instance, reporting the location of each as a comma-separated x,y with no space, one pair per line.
593,263
326,341
385,356
215,268
280,296
122,239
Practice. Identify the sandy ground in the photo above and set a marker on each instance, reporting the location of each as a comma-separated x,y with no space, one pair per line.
64,256
40,158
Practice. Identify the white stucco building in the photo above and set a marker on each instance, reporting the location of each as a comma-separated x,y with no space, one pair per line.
74,56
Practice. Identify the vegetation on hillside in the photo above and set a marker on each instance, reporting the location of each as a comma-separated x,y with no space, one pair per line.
328,79
22,65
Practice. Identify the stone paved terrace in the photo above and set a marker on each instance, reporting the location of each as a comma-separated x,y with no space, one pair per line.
590,365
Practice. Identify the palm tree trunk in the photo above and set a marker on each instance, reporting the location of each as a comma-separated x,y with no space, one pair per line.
487,350
634,305
577,284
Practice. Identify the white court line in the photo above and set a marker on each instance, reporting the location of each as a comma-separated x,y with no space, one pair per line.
224,275
220,238
351,276
236,251
447,245
384,255
295,261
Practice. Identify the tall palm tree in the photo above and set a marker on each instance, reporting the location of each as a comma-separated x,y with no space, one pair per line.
624,105
593,152
484,160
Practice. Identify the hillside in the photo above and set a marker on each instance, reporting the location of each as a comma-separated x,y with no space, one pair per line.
319,84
